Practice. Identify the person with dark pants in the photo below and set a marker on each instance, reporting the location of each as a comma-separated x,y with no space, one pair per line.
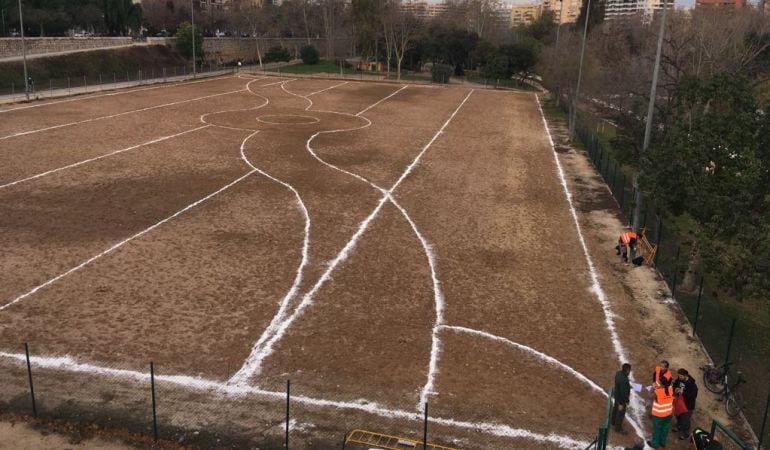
622,395
662,413
686,387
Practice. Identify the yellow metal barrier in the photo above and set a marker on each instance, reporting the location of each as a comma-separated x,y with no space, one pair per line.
388,442
648,249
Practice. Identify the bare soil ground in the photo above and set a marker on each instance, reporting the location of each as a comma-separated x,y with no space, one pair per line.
235,259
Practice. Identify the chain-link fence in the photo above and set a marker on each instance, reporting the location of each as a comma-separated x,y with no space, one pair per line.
97,81
204,413
730,331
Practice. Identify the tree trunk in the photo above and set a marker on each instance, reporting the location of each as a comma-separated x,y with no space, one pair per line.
689,283
398,75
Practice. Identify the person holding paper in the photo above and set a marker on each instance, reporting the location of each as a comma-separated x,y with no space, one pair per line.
622,395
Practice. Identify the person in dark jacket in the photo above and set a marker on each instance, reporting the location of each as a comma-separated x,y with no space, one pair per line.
686,387
622,395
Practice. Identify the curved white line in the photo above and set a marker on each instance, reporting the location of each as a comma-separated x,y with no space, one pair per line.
248,368
112,116
438,296
111,94
307,298
531,351
67,364
134,147
596,286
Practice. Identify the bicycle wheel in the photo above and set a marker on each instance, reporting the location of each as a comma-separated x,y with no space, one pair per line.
713,379
733,404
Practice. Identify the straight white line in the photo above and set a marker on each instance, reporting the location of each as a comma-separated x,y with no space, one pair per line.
121,243
55,127
243,374
327,89
382,100
307,299
596,287
438,296
277,82
67,364
119,92
106,155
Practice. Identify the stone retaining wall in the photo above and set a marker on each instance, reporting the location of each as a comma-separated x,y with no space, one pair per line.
11,47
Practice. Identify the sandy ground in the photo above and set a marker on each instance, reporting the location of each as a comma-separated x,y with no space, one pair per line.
21,436
505,287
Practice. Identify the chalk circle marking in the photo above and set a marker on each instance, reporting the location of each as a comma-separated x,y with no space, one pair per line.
288,119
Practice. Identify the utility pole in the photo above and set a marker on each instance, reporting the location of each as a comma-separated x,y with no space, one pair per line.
650,113
192,20
24,52
573,116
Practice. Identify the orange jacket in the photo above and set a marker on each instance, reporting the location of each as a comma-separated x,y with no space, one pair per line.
625,238
663,405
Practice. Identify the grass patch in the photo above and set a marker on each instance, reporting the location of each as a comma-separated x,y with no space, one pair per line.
323,66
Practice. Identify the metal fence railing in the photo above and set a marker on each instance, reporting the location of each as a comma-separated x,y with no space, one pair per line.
728,330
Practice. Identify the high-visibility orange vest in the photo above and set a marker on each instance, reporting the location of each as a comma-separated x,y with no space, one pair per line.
656,377
663,405
625,238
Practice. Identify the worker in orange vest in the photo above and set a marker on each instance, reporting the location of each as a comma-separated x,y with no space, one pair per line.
627,240
662,412
661,371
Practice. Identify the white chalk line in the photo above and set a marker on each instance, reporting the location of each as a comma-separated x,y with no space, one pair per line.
111,94
153,141
242,375
112,116
106,155
596,287
252,364
429,387
307,299
530,351
67,364
327,89
121,243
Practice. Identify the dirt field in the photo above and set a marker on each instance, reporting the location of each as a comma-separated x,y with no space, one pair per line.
380,245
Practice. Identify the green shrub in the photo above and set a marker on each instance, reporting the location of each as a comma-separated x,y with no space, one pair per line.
440,73
276,53
309,55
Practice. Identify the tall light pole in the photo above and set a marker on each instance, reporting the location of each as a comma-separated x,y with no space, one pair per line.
650,112
192,20
23,51
580,74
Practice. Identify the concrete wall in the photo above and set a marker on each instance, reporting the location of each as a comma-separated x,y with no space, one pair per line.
215,50
11,47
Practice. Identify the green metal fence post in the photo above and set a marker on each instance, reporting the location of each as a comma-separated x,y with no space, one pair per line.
288,396
764,424
730,341
425,429
154,405
31,386
697,308
673,287
622,190
614,178
657,243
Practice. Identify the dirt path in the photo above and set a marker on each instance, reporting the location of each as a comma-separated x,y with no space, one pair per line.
21,436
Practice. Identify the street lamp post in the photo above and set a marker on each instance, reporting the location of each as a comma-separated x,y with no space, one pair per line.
23,52
650,112
573,116
192,19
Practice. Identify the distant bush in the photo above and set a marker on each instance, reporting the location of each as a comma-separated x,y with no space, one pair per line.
277,53
440,73
309,55
343,62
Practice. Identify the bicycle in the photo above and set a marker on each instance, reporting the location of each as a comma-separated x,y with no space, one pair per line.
717,380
